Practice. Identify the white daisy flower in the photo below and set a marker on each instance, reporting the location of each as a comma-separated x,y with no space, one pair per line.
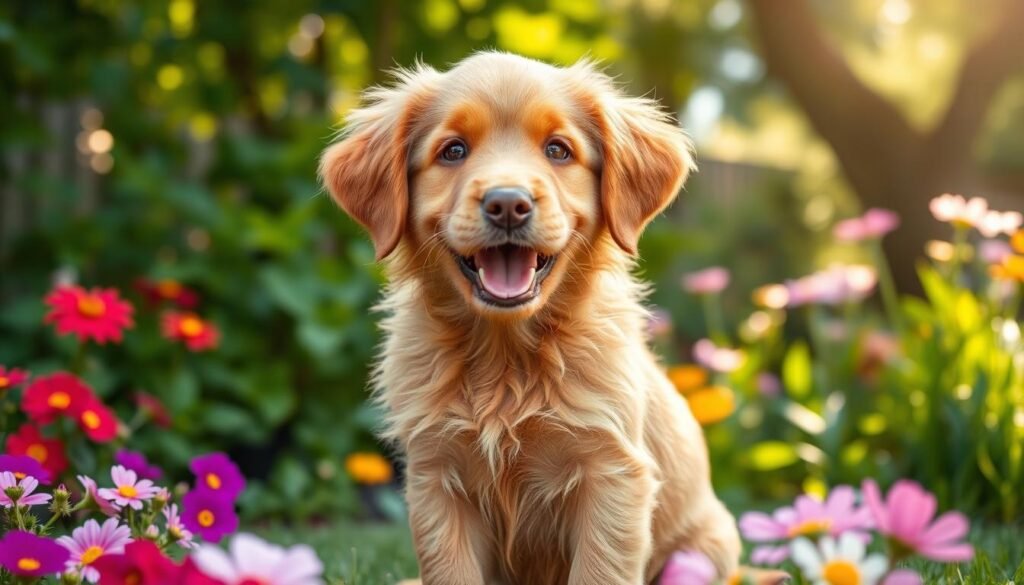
842,562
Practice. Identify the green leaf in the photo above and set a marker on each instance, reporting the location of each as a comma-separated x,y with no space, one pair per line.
796,370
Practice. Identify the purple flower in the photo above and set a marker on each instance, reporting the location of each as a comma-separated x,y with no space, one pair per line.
128,489
92,541
768,384
28,555
209,514
708,281
137,462
688,568
23,466
216,473
26,485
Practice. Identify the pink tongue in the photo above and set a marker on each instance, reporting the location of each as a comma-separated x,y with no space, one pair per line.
506,270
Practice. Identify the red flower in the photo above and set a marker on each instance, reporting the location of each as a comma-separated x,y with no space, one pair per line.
99,314
11,378
167,290
48,452
56,394
97,421
142,563
153,408
196,333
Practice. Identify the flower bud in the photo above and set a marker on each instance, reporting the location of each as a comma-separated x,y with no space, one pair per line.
70,577
152,533
14,492
61,504
159,501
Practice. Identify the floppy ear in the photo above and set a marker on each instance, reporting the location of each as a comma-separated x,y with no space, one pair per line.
367,171
646,157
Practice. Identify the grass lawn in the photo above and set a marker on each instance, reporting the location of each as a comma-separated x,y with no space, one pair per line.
380,554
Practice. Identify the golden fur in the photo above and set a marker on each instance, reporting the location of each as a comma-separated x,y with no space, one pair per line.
544,443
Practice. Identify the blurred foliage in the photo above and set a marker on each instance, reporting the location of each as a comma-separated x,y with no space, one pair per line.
179,140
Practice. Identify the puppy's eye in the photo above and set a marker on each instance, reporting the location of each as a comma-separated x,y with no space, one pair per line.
454,151
557,150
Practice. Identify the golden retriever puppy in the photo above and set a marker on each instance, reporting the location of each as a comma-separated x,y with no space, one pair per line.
544,443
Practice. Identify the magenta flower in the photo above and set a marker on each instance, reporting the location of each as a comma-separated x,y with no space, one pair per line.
217,473
688,568
27,555
137,462
177,529
906,514
837,515
23,466
252,560
92,492
27,485
92,541
874,224
128,489
209,514
708,281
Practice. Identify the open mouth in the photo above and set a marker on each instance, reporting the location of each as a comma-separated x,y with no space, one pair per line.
506,275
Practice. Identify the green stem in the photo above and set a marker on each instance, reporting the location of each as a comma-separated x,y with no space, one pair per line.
714,318
78,361
960,233
887,285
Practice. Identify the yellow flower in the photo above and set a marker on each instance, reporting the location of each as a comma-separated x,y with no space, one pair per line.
687,377
369,468
712,404
1017,241
1012,268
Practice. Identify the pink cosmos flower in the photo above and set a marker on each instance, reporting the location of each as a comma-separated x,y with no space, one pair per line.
176,528
91,541
906,515
837,515
832,286
708,281
875,223
91,491
902,577
719,359
252,560
688,568
128,489
27,485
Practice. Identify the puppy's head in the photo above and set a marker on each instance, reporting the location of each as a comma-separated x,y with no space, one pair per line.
503,175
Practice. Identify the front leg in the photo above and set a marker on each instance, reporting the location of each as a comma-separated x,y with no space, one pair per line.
450,543
612,529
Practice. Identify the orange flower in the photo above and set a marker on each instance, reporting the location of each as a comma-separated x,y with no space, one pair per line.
99,314
687,377
197,334
1011,268
369,468
97,421
712,404
1017,241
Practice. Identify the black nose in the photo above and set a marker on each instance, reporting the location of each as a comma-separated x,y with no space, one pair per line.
507,207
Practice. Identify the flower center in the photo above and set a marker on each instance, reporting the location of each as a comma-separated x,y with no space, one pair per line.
28,564
91,306
840,572
133,578
19,475
37,452
206,518
168,289
811,527
91,420
4,381
190,326
127,491
91,554
59,400
213,480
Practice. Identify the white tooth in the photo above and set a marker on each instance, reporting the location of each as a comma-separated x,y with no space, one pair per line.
480,272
